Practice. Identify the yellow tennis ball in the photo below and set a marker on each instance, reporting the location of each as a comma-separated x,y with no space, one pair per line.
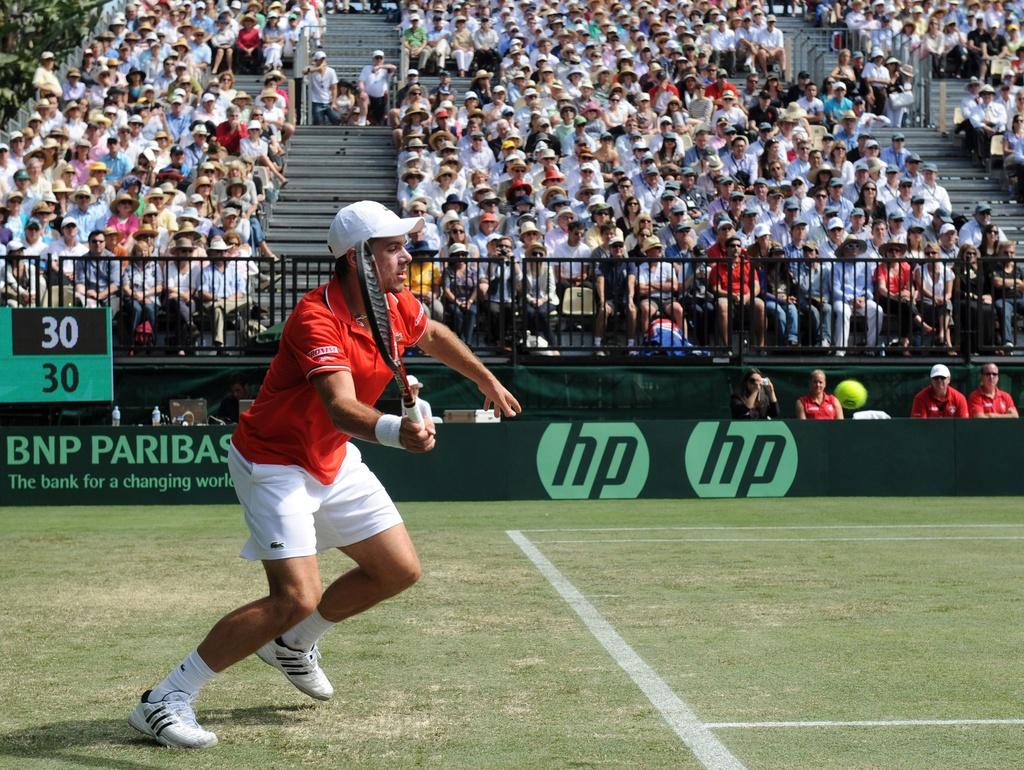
851,394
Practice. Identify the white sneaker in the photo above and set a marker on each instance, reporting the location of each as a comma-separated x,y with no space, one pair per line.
171,722
301,667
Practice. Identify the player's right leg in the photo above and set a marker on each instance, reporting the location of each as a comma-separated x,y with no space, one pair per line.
279,513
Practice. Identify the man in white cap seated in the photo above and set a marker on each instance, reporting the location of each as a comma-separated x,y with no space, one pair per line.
303,485
373,90
939,399
425,409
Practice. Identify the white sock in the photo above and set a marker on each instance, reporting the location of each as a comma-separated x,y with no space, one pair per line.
597,341
308,632
188,678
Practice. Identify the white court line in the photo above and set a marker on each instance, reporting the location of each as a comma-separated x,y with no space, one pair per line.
704,744
621,540
865,723
779,527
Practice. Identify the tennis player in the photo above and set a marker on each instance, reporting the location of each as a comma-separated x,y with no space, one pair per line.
303,486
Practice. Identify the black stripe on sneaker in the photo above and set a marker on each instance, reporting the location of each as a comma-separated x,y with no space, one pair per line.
155,714
157,729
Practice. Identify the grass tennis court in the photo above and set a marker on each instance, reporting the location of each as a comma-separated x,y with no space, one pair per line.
899,612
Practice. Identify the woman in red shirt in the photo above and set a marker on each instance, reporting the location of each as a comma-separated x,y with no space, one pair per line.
249,47
816,404
895,291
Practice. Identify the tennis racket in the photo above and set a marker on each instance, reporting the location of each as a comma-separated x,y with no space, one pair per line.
375,300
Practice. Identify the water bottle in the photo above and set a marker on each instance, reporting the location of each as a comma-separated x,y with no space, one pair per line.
156,415
115,416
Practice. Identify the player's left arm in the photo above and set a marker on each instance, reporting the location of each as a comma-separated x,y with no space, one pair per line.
438,341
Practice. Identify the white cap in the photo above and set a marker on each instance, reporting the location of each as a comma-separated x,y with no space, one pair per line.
947,228
255,125
363,220
762,229
834,222
319,55
939,370
379,53
14,245
413,382
409,74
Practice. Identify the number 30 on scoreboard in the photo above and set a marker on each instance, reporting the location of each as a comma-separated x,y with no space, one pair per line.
51,355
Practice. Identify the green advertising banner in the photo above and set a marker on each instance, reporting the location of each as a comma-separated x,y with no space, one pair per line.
538,461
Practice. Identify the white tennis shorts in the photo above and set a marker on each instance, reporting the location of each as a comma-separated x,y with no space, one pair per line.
289,513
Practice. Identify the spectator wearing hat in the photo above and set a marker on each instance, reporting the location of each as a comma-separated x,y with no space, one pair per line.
274,115
897,292
437,48
86,212
248,47
540,294
45,80
223,43
323,91
935,195
424,276
460,287
813,283
973,229
254,147
986,119
374,80
59,263
222,294
414,39
853,294
123,218
771,49
22,283
499,286
939,399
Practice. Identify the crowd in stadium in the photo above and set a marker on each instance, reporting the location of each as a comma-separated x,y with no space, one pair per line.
655,156
146,162
648,160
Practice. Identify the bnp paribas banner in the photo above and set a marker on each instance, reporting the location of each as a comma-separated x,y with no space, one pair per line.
536,461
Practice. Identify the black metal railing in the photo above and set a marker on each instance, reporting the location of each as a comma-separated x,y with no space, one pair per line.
701,307
684,308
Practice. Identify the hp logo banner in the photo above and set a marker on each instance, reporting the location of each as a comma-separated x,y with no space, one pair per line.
741,459
607,460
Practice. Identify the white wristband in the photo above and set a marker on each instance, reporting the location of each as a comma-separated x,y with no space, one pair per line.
387,430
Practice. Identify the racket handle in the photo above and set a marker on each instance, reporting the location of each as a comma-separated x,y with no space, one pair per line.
411,411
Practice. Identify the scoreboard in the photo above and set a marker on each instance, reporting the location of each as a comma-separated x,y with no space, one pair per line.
55,355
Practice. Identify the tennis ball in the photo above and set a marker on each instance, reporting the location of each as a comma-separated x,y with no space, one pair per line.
851,394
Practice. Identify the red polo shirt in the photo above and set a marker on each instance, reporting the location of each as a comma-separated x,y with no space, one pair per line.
288,424
926,406
999,403
826,410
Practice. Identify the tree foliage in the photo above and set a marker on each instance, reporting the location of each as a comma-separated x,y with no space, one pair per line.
29,27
